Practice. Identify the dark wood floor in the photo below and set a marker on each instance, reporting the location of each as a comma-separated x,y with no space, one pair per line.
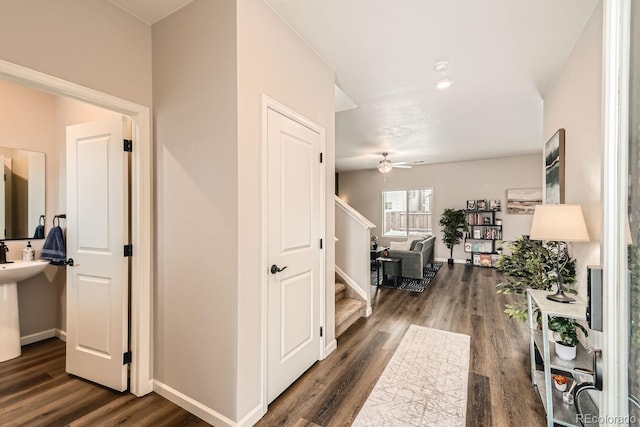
35,390
460,299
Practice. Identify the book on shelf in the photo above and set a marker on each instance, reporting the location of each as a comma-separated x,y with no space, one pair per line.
476,259
485,260
467,246
477,233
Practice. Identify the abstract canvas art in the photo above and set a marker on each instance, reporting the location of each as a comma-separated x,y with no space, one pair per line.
523,200
554,168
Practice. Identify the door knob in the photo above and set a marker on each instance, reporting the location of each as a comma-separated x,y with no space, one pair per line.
275,269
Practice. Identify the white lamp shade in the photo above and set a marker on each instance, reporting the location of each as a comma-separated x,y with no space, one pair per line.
559,222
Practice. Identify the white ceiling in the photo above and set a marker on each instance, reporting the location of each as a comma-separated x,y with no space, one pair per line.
151,11
503,56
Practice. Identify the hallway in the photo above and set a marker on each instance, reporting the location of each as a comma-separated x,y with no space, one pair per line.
460,299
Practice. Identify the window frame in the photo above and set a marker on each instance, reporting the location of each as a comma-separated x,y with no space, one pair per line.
407,212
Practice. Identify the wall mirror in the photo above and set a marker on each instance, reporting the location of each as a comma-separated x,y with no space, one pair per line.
22,196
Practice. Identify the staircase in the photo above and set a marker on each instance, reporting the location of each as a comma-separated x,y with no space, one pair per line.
349,307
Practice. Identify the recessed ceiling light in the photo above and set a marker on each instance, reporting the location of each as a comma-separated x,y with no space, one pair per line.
444,83
443,79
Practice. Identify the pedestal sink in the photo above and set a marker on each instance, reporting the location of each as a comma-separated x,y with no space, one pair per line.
10,275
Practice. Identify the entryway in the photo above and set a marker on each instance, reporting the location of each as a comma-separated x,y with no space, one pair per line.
141,209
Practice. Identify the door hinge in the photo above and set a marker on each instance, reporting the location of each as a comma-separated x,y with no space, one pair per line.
321,331
320,243
128,250
128,145
320,157
126,358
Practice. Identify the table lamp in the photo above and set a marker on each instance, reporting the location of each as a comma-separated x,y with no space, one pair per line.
561,223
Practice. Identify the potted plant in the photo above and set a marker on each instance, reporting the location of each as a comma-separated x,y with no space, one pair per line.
453,225
532,265
567,330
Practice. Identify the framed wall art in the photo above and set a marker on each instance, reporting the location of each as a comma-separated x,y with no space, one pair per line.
554,169
523,200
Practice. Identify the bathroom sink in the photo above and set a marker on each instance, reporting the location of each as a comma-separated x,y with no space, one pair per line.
10,274
21,270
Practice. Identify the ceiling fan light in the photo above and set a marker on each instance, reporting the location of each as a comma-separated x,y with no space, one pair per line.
385,166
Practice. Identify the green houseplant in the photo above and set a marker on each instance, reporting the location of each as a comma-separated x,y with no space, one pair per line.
453,225
532,265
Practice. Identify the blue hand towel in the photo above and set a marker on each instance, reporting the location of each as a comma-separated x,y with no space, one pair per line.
54,247
39,233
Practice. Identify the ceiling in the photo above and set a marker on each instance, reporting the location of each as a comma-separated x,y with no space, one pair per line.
503,55
151,11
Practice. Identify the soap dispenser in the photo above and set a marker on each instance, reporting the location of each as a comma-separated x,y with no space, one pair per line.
28,253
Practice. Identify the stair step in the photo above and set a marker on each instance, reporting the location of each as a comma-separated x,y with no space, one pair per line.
348,310
340,291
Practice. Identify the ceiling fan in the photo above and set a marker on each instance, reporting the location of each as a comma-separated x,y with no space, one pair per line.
385,164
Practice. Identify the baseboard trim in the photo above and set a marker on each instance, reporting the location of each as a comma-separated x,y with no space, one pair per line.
369,312
38,336
252,417
455,261
354,286
61,334
191,405
333,345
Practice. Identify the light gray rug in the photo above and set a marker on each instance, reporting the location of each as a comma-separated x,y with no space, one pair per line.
424,384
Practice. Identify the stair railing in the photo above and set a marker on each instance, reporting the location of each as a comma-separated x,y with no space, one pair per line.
353,254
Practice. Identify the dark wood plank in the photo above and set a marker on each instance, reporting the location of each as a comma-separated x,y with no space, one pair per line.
460,299
479,407
36,391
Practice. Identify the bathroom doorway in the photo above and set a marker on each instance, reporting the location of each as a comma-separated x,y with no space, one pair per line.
141,208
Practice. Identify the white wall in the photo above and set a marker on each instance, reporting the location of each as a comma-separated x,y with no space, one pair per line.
90,42
272,60
574,102
27,121
196,295
453,184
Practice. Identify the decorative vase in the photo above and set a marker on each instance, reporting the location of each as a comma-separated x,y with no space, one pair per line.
565,352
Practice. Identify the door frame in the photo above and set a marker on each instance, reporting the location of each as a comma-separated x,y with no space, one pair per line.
141,207
616,53
271,104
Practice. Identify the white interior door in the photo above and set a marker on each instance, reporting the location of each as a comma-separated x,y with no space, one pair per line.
294,233
97,230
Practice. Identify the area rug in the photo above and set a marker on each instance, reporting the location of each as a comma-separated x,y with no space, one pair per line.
413,285
424,383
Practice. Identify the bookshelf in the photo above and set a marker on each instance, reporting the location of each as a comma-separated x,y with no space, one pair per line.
483,230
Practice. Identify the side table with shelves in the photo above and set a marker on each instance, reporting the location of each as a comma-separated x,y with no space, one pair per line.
392,278
557,411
